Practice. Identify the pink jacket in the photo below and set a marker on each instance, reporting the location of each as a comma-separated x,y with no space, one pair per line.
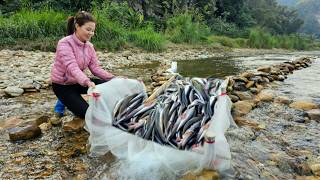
72,58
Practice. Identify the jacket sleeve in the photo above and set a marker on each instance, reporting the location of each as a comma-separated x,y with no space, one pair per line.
96,69
69,61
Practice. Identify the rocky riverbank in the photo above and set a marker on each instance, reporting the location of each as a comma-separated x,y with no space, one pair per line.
26,101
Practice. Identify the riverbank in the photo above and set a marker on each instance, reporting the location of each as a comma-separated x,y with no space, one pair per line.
57,154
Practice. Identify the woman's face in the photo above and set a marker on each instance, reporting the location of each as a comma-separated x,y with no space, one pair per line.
86,31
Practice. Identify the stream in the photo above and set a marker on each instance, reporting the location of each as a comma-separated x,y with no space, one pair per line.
284,149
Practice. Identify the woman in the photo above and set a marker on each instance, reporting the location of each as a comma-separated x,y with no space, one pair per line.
74,54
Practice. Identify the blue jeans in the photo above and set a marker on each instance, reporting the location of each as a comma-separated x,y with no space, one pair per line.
59,108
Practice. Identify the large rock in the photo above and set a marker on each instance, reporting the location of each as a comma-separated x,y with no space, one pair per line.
13,91
265,96
239,86
242,107
302,105
314,114
23,133
243,95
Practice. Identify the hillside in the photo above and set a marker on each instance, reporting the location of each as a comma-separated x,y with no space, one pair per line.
309,11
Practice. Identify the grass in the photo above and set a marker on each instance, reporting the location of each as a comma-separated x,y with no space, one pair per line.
181,29
40,30
261,39
148,39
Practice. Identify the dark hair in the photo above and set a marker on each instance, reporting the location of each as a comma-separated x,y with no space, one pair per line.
80,18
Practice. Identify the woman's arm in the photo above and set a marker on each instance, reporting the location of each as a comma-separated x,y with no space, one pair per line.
68,59
96,69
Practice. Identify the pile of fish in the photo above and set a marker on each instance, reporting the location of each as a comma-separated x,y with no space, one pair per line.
178,117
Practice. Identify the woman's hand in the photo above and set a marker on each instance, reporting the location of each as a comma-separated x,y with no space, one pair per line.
91,84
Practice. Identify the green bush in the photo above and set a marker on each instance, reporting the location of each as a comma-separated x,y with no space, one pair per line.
224,41
220,27
242,42
181,29
108,34
148,39
121,13
261,39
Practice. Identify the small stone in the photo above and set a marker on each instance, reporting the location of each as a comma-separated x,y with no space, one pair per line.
205,174
282,100
234,98
74,125
314,114
13,91
45,127
42,119
254,90
247,74
55,120
265,69
249,84
315,169
281,78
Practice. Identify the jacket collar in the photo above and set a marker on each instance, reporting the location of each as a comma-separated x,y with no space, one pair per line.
77,40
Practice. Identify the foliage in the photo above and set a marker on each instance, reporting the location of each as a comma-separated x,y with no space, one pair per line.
258,38
221,27
309,12
143,22
8,7
33,24
148,39
121,13
274,18
108,34
224,41
181,29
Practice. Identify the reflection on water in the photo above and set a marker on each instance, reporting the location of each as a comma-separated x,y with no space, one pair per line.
302,84
216,67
